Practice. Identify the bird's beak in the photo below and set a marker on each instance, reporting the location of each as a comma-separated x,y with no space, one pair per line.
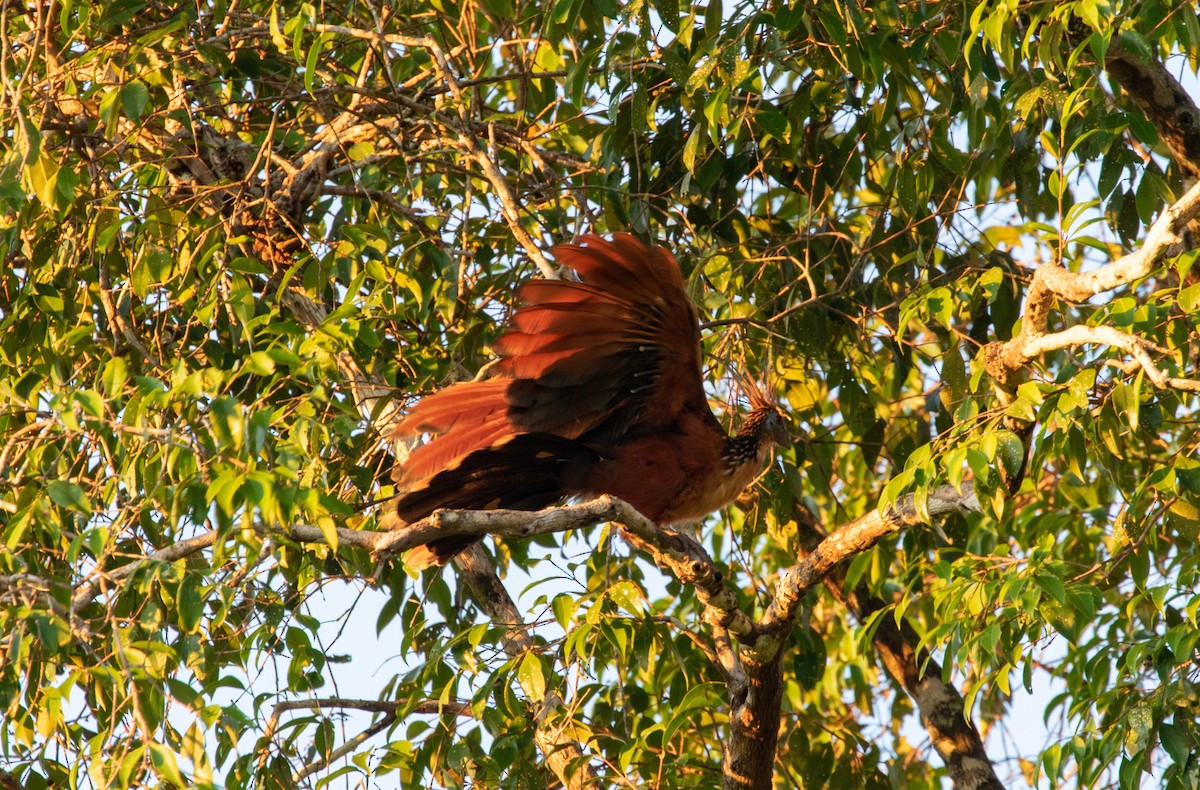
780,435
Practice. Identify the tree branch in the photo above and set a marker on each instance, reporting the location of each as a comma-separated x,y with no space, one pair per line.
1020,350
87,592
1162,100
842,544
754,719
390,709
431,707
750,750
563,754
1163,240
672,551
346,748
1003,360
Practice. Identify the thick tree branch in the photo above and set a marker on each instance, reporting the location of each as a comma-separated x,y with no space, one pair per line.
750,749
754,718
1021,350
672,551
1162,100
842,544
1163,240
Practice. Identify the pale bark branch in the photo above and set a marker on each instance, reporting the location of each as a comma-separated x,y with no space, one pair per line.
1023,349
672,551
87,592
1004,360
1163,240
845,542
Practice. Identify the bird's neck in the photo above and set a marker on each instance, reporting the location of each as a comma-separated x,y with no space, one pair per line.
747,447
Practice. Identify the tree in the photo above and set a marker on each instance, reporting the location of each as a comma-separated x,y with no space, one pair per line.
240,236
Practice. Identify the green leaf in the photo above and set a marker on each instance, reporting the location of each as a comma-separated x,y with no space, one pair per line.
134,98
41,178
329,530
311,60
774,123
69,496
1053,586
628,596
1133,41
227,421
261,363
564,606
114,378
699,696
1174,742
668,12
190,604
1138,723
699,76
1011,452
165,764
529,675
691,149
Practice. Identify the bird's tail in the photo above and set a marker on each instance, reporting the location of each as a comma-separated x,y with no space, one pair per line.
527,472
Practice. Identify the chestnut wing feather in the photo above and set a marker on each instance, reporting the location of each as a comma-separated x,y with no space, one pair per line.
627,330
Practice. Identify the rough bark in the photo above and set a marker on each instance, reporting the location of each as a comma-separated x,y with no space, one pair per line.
1163,101
754,725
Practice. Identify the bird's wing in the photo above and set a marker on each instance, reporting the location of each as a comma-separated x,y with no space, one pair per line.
616,351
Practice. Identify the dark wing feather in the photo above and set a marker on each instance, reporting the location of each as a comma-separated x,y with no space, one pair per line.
524,472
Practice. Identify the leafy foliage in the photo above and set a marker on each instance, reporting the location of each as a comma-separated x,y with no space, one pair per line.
215,216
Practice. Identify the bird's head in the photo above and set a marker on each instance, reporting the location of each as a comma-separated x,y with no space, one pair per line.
764,426
774,429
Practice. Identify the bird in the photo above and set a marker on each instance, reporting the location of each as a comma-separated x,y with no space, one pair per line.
597,389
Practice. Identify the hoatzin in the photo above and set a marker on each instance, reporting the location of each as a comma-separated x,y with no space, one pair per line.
597,391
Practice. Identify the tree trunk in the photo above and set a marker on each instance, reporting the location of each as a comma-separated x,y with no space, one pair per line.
754,726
